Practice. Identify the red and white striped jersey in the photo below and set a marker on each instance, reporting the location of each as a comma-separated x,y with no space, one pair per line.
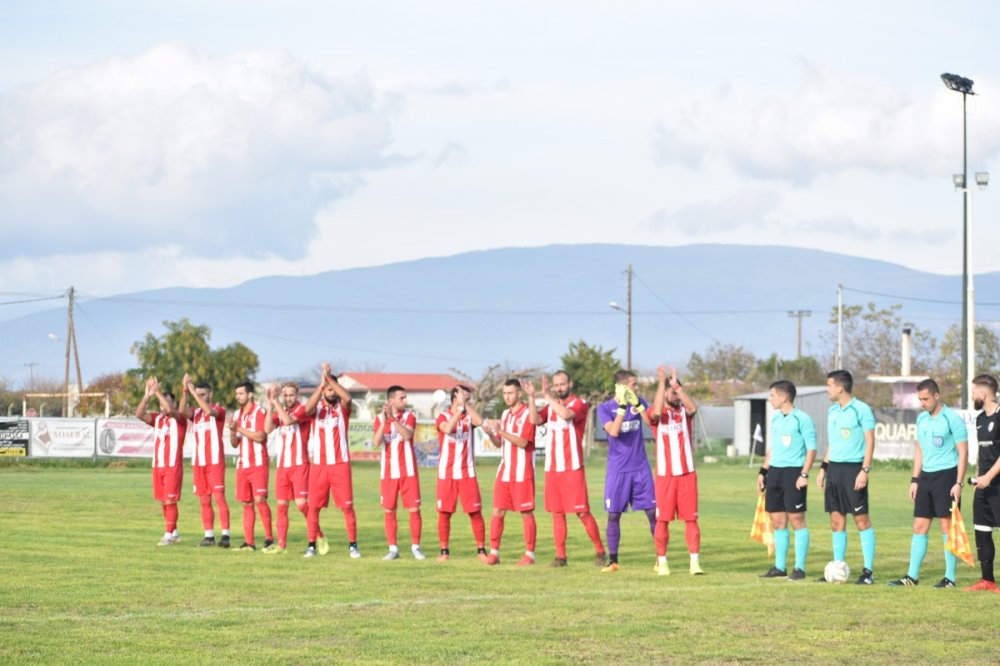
398,459
251,454
328,444
517,464
455,458
564,438
208,427
293,439
168,440
674,456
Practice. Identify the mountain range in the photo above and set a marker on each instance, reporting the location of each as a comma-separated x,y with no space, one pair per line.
521,306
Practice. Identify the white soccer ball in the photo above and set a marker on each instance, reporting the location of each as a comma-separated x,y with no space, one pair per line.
836,572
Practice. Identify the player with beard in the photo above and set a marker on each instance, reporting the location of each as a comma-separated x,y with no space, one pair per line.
288,416
330,462
457,470
986,501
672,418
246,433
565,418
393,433
208,459
170,427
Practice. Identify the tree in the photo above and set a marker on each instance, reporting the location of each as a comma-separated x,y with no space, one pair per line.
722,362
949,365
804,371
873,341
591,369
115,384
873,346
487,389
184,348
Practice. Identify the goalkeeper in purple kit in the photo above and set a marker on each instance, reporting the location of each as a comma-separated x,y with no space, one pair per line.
629,481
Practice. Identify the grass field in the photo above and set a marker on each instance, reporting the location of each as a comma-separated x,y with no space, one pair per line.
81,580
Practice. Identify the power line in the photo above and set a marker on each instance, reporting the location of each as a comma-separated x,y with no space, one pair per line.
913,298
35,300
683,318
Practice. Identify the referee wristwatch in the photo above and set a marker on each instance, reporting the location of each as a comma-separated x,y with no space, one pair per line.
804,475
866,470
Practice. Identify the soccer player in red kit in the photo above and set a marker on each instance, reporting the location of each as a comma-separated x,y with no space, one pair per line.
457,470
330,462
394,428
565,418
514,488
208,460
672,419
246,433
288,416
168,454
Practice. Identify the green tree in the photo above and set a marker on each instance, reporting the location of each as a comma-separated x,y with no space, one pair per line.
183,349
873,346
949,365
591,369
805,371
722,362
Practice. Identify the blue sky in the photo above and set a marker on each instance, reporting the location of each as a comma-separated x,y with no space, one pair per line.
203,144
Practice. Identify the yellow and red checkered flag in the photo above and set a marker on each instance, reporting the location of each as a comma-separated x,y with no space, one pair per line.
761,531
958,538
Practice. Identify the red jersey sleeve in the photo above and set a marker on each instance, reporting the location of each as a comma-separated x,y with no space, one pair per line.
442,418
410,421
528,432
580,410
259,420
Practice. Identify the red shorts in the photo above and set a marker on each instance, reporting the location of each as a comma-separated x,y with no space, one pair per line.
407,486
325,480
292,483
514,495
566,492
677,497
251,482
450,490
167,483
209,479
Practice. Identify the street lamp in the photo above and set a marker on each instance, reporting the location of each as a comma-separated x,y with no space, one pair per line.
963,85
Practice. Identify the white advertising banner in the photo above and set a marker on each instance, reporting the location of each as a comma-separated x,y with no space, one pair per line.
131,438
61,438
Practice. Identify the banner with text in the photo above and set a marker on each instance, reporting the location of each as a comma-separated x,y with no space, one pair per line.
13,438
61,438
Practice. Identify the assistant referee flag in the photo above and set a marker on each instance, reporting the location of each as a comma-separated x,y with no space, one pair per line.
958,538
761,531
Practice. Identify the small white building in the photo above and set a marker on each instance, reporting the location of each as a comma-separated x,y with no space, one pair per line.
754,410
368,389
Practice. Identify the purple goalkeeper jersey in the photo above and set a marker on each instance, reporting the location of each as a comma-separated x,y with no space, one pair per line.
626,452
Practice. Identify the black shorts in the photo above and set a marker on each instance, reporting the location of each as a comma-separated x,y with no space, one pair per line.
934,494
781,494
986,507
840,495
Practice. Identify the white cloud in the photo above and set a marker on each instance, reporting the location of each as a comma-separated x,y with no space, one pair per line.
744,210
831,123
232,154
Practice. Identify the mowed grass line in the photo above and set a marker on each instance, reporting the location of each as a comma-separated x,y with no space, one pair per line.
83,581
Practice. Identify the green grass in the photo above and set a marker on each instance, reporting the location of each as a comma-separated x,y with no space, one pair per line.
81,580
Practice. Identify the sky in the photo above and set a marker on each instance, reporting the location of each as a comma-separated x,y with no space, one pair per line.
201,144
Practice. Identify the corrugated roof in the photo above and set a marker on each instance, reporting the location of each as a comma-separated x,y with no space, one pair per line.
380,381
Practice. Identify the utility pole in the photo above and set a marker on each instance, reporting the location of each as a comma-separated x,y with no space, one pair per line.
31,374
628,363
799,314
71,342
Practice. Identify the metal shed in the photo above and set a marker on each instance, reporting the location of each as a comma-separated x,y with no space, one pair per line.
753,409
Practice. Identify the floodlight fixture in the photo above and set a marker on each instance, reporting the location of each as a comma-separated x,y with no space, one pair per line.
958,83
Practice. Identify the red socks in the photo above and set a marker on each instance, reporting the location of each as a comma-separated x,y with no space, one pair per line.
692,534
390,527
351,522
416,526
530,531
220,501
207,514
265,517
496,531
170,517
248,520
478,528
559,533
312,524
593,531
661,537
444,528
282,524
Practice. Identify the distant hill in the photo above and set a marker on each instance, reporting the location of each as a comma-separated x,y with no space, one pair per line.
520,305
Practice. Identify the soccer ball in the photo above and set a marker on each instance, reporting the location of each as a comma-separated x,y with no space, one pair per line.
836,572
